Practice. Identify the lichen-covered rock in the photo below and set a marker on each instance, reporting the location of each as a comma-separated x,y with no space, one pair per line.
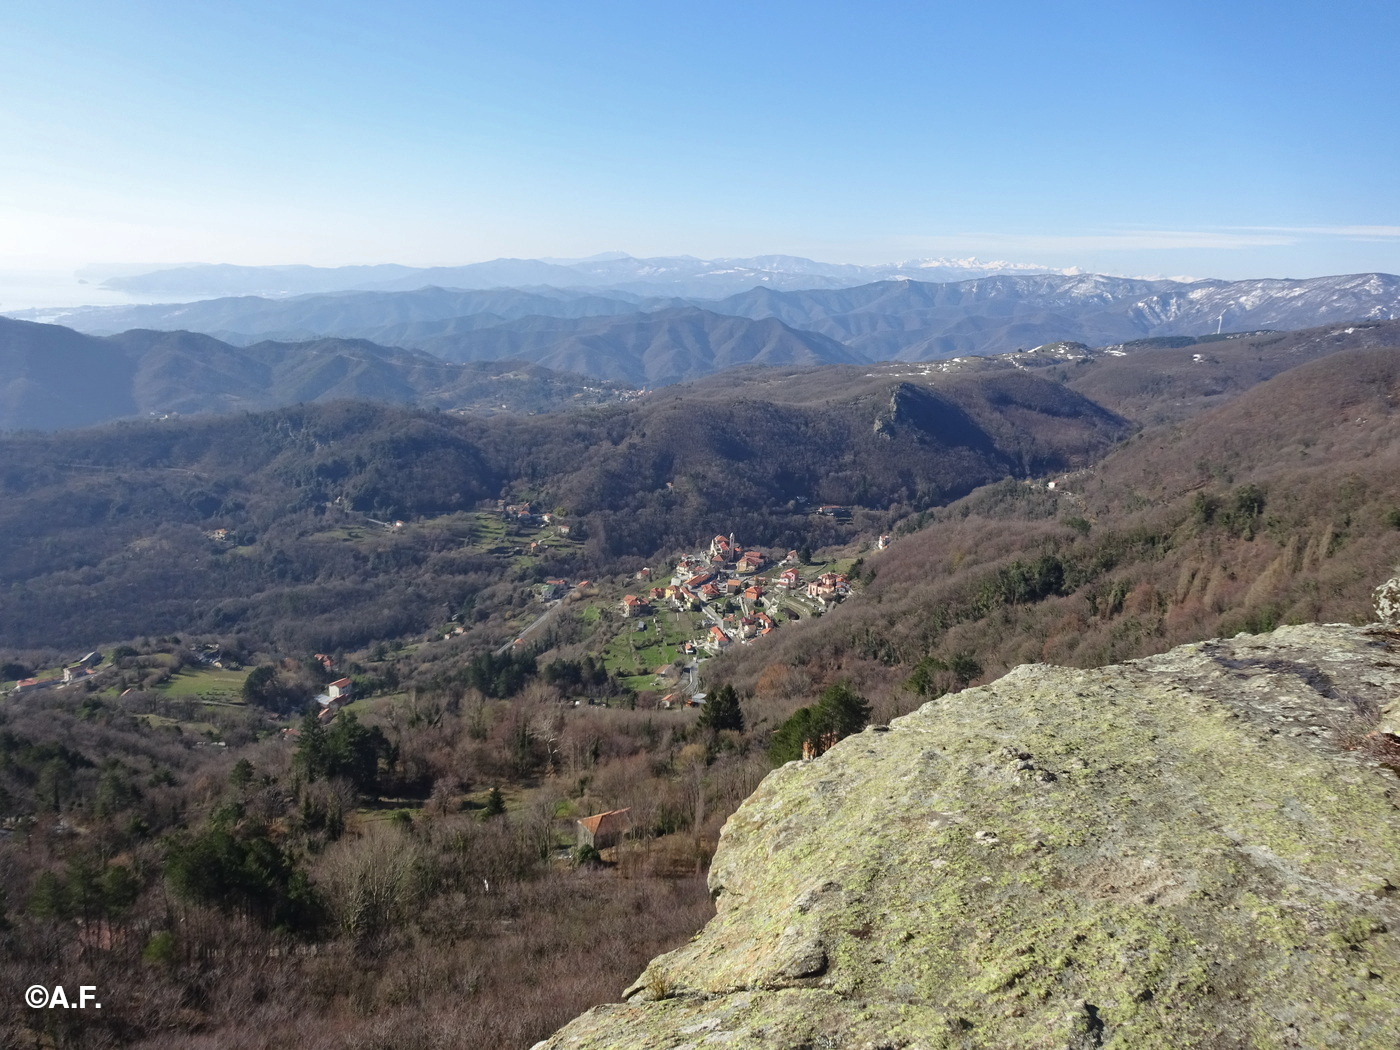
1172,852
1388,602
1389,722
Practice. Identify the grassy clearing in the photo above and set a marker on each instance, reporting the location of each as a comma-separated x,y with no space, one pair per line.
165,722
210,684
343,534
634,656
487,529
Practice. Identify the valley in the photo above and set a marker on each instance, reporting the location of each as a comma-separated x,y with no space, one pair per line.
517,621
620,527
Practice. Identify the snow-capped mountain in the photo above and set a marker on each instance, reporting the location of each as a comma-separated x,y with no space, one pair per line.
893,319
680,275
1208,306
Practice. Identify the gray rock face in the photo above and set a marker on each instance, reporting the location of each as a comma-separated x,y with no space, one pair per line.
1388,602
1179,851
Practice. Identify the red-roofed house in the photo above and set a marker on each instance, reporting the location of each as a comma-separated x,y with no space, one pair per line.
827,584
25,685
604,829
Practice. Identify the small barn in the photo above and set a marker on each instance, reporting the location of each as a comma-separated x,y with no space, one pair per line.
604,829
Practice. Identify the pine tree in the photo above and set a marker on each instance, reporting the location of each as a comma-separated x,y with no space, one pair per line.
242,774
840,712
312,754
722,710
843,710
495,803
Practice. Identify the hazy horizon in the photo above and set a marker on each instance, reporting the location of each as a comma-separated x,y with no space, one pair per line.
1219,142
31,290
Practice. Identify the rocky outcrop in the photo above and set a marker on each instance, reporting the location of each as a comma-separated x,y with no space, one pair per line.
1180,851
1388,602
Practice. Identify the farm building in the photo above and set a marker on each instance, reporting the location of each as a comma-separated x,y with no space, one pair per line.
604,829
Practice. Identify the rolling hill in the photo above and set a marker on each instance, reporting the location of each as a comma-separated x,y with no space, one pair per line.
651,349
1277,505
892,320
56,378
93,517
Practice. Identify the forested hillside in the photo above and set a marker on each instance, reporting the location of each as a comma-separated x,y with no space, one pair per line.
1281,506
191,822
96,518
55,378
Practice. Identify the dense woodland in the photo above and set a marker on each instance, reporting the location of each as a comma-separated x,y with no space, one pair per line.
107,529
1281,506
237,874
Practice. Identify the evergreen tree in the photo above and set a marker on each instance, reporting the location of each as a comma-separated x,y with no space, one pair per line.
312,755
843,710
495,803
354,751
839,712
49,899
722,710
242,774
260,687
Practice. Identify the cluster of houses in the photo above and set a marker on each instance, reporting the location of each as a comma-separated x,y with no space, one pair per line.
337,695
728,571
78,672
528,514
552,589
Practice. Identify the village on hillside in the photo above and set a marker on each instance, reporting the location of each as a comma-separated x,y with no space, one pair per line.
725,584
652,638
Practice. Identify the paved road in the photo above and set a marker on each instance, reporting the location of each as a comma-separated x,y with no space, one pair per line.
536,622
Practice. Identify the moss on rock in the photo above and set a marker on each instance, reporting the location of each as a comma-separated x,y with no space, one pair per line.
1175,852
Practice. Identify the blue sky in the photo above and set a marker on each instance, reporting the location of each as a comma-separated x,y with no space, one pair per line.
1211,139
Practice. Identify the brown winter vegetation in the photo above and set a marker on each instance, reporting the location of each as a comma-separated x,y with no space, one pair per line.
228,897
1282,506
229,875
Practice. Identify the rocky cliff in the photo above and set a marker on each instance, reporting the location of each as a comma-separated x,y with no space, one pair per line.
1199,849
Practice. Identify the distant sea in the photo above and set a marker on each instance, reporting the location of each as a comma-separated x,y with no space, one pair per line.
24,290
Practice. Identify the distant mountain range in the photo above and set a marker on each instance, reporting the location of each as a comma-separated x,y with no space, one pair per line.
914,321
598,334
52,377
616,271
